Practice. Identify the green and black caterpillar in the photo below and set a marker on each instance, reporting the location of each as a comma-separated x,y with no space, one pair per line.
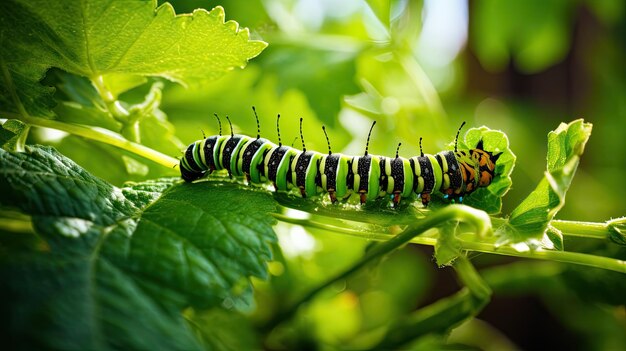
454,173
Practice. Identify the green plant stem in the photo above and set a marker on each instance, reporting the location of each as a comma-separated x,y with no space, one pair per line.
589,230
477,218
582,229
101,135
471,279
559,256
15,225
93,133
608,263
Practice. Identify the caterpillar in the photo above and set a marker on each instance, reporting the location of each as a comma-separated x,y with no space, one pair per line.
453,173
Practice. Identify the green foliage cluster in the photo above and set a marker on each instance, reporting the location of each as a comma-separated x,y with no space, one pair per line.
102,246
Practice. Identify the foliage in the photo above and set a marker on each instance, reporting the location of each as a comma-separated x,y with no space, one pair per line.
102,246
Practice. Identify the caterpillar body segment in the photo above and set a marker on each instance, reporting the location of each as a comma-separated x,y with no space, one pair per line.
250,159
396,178
277,165
453,173
427,177
366,171
229,154
305,173
334,173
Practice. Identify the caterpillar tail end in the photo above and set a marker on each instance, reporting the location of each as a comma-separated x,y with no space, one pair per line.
190,176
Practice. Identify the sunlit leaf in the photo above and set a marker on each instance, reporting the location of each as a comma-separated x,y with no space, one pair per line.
530,219
156,246
10,133
94,38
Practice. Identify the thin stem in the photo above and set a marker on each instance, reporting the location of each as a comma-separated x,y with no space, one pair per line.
112,104
582,229
460,212
558,256
471,279
101,135
94,133
16,225
608,263
589,230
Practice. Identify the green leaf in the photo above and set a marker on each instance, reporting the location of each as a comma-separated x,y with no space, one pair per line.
553,238
144,121
617,228
79,102
489,199
110,163
121,264
93,38
13,134
448,246
154,130
530,219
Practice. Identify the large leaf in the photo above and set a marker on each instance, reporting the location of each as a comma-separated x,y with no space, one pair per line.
530,219
94,38
118,265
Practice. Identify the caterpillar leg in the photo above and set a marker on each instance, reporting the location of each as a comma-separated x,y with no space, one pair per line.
396,199
425,199
363,196
332,195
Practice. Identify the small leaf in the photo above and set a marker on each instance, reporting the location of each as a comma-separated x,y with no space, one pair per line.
530,219
617,228
158,246
11,132
553,239
448,246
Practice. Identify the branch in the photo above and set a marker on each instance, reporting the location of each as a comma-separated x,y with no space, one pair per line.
479,219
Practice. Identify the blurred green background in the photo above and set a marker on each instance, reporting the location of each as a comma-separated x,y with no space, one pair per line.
420,68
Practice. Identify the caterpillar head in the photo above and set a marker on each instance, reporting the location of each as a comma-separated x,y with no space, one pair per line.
487,163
